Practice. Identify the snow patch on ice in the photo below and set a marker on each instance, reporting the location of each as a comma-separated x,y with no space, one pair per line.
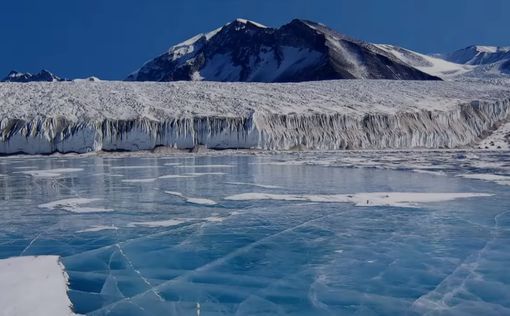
74,205
264,186
174,176
50,173
397,199
98,228
192,200
34,286
148,180
198,174
155,224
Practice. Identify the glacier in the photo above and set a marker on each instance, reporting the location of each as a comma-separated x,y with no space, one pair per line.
80,117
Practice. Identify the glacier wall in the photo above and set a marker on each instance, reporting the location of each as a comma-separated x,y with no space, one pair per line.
457,126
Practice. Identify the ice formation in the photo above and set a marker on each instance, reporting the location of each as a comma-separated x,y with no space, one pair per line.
42,118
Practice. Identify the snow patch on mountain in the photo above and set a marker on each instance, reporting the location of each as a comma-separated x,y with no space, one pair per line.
431,65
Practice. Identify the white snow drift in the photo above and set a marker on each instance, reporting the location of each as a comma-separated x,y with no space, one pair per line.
347,114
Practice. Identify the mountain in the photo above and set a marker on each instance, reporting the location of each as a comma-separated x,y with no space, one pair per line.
43,75
432,65
298,51
479,55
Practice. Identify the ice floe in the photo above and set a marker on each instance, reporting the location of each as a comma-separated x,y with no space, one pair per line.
34,286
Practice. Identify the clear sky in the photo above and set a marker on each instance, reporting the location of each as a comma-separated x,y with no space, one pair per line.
111,38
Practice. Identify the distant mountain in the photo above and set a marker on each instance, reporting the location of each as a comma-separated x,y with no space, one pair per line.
88,79
43,75
479,55
299,51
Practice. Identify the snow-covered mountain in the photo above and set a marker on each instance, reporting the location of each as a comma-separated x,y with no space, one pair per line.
43,75
479,55
298,51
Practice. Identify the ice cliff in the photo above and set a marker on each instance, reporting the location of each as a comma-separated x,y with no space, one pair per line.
348,114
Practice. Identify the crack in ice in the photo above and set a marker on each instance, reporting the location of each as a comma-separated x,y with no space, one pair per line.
213,263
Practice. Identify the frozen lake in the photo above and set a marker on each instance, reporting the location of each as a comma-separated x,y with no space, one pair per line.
300,234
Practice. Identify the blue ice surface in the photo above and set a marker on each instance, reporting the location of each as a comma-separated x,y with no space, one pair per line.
259,257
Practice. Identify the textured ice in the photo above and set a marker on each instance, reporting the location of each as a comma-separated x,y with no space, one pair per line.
348,114
157,255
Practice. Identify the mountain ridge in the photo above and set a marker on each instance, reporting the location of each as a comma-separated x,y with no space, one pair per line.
248,51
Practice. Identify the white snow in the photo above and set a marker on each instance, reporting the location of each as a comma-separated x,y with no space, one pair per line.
397,199
33,286
244,21
74,205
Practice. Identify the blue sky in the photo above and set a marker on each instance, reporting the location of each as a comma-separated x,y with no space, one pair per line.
111,38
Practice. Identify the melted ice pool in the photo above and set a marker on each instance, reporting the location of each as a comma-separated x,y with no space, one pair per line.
251,235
